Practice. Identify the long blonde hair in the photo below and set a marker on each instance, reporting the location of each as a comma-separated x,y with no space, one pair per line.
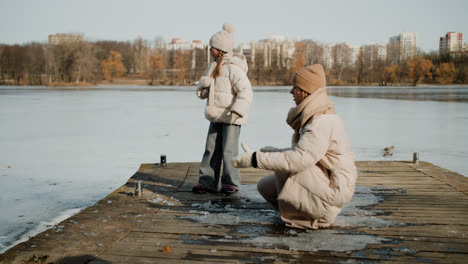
218,60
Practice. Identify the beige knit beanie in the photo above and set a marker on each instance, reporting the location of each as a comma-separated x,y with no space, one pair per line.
223,39
310,78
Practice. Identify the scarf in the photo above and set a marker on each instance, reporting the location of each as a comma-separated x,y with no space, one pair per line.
312,106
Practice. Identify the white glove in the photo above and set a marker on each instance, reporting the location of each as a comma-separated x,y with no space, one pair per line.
243,160
270,149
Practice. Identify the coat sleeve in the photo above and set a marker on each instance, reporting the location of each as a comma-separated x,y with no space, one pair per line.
312,147
242,89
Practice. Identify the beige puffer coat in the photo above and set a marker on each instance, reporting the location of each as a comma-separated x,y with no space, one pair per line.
317,176
230,91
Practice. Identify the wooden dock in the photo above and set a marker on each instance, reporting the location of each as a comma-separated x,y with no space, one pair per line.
401,213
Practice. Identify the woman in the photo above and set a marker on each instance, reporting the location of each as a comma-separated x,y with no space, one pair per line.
315,178
229,94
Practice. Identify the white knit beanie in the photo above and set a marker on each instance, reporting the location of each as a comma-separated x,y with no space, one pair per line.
223,39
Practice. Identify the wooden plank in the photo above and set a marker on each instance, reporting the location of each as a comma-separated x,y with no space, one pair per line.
427,205
456,180
393,172
420,231
383,163
151,247
116,259
405,179
413,197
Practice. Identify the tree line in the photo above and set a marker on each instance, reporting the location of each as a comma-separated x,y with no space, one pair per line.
84,62
430,68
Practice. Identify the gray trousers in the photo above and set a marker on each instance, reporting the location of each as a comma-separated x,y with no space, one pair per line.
222,145
270,187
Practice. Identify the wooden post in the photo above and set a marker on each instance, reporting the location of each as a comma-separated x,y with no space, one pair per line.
138,188
415,158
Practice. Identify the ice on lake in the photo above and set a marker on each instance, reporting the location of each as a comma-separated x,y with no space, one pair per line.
62,150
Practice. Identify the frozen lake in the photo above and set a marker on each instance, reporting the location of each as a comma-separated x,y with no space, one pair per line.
61,150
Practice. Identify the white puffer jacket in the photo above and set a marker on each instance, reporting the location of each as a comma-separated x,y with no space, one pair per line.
231,91
317,176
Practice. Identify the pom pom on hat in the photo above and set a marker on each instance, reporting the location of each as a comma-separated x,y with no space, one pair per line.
223,40
228,27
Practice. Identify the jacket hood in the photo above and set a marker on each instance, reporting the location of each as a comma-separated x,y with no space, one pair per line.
237,59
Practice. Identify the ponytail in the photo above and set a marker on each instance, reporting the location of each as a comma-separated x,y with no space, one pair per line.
218,60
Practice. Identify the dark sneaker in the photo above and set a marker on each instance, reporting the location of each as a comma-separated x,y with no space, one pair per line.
198,189
228,190
201,190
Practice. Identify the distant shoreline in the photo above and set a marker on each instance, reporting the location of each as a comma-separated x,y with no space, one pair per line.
146,83
425,92
141,84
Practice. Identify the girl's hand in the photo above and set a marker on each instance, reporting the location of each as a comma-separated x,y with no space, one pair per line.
235,114
203,93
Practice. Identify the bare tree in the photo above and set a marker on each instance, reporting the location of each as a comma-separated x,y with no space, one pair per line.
314,52
141,51
13,61
34,63
156,65
182,65
200,62
2,73
256,73
362,67
86,64
341,56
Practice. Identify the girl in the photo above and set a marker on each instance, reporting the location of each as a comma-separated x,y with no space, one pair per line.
229,95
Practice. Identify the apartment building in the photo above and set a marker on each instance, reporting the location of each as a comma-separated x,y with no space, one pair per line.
275,50
64,38
451,43
353,53
343,54
180,44
327,56
374,52
402,47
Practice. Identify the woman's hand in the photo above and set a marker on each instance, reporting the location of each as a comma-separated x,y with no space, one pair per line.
243,160
270,149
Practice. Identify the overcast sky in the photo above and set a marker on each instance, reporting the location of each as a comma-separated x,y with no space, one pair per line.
330,21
